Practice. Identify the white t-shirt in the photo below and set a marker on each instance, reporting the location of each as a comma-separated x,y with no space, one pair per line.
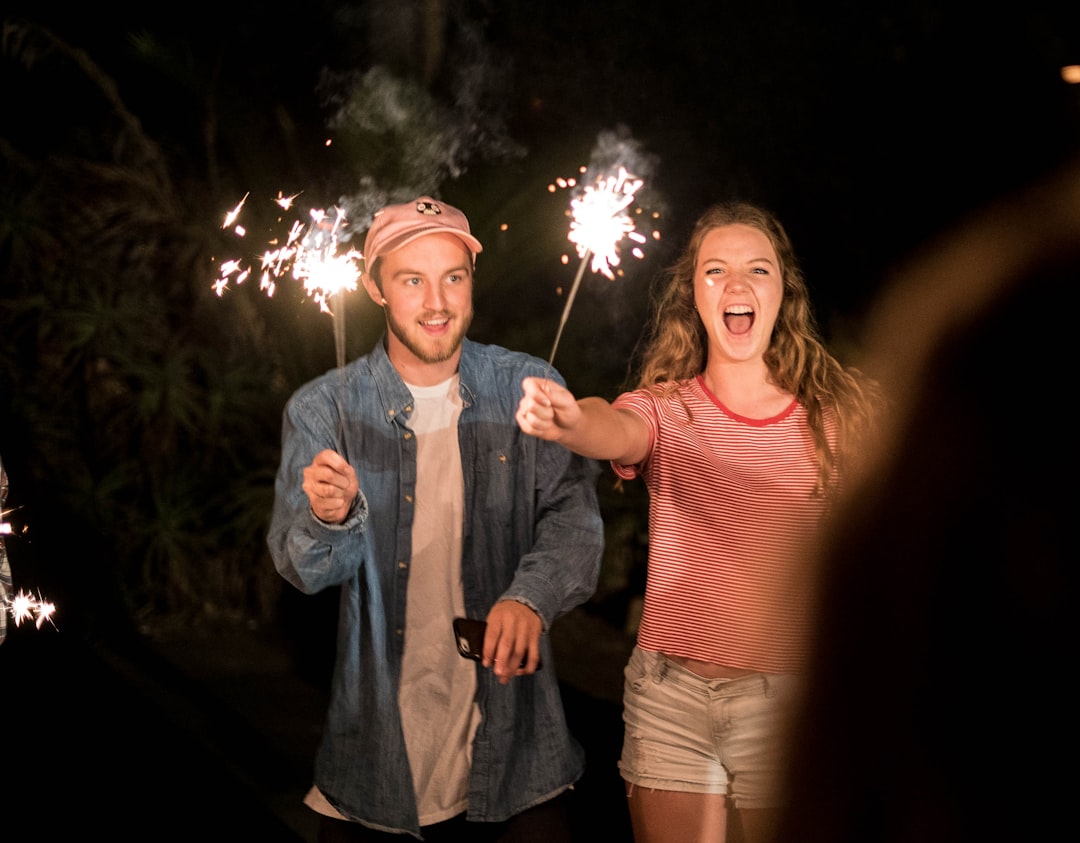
437,695
438,687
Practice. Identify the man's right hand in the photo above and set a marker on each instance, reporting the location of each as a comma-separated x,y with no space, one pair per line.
331,486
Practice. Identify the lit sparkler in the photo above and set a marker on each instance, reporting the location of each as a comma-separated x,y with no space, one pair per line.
21,606
25,607
309,255
599,223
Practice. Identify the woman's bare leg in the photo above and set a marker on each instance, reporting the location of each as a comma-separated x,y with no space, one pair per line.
669,816
752,825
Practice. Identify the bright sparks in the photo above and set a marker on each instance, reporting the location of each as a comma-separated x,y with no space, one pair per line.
25,608
22,606
600,220
310,255
234,214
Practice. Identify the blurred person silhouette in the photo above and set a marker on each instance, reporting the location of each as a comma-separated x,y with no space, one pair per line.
740,425
405,481
946,616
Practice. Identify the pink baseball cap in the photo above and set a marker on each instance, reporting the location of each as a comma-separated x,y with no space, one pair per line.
396,225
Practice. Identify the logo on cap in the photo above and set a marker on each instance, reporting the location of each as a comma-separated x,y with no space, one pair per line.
429,208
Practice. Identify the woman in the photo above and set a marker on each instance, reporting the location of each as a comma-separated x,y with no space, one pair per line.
739,426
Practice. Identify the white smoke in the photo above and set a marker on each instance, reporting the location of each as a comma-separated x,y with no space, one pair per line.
405,138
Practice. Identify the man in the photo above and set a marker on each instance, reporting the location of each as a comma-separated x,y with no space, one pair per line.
405,480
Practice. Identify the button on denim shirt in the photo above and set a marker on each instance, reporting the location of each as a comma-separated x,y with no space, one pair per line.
532,533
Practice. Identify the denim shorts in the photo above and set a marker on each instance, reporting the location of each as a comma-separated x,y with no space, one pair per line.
687,733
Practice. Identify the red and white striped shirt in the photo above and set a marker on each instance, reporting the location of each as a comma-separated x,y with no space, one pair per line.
731,514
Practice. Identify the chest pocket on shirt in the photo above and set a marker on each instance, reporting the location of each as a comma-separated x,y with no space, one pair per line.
495,472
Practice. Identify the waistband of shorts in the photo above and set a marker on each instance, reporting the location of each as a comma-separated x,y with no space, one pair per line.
660,667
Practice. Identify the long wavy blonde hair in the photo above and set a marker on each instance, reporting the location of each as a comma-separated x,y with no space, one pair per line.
676,345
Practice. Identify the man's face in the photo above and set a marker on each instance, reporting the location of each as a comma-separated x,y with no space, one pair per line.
427,295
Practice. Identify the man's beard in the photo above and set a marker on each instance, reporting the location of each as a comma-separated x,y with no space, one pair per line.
425,348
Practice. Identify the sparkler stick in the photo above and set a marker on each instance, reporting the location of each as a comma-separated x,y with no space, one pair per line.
327,276
566,308
309,256
599,222
339,327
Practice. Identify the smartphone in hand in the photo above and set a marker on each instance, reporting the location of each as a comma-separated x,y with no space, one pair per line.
469,634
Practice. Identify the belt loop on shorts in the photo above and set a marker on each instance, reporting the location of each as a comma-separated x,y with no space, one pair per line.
659,668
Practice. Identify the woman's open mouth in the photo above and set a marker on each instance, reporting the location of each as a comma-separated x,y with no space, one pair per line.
739,318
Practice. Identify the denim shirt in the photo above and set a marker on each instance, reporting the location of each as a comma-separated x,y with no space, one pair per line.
532,533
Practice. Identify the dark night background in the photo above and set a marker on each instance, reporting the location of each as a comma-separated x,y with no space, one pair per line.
140,413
